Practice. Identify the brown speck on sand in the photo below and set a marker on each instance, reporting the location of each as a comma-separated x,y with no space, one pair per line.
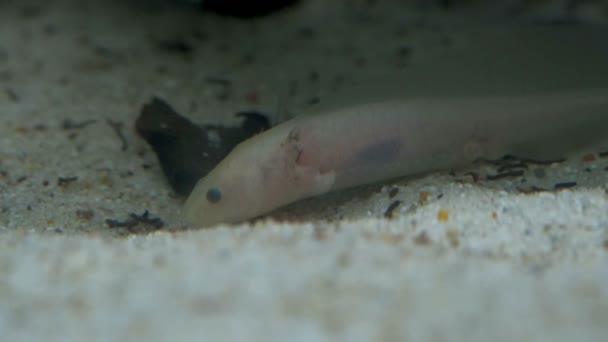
423,197
320,234
443,215
21,129
453,237
343,260
589,157
85,214
422,239
392,238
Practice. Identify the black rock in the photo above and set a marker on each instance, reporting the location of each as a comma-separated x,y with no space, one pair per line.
187,151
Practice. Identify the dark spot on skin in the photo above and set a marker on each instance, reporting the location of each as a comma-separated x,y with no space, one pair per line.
292,148
214,195
382,152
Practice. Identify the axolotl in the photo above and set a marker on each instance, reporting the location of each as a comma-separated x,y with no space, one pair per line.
311,155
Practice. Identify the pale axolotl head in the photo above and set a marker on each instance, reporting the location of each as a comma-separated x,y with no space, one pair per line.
258,176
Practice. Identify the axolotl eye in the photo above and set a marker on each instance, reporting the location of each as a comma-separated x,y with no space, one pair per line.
214,195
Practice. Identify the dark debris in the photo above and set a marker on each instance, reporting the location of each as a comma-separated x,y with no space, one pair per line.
12,94
117,127
507,174
68,124
513,160
187,151
391,208
393,192
65,181
135,220
564,185
85,214
177,46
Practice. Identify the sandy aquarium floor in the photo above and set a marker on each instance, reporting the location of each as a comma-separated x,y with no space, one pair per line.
460,256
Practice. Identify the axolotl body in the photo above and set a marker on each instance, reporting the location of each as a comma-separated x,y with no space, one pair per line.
314,154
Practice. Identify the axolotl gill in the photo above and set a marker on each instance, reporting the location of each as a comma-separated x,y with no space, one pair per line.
311,155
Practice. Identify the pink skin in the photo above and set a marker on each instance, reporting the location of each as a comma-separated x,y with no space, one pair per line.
315,154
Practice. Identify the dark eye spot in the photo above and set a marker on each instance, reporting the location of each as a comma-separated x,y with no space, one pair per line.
214,195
